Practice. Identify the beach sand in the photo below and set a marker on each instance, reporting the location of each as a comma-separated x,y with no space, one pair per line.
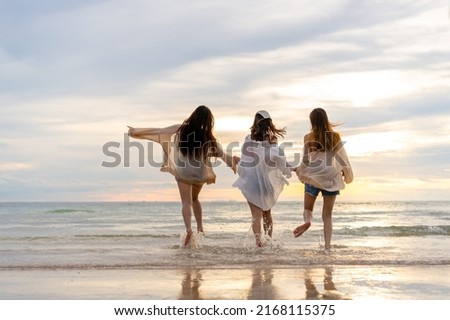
327,282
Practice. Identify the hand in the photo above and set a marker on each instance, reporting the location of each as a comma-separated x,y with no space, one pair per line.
130,131
235,161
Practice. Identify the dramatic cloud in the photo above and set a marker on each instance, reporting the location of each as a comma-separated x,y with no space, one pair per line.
74,74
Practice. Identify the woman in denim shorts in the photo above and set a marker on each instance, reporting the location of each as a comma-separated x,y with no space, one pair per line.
325,169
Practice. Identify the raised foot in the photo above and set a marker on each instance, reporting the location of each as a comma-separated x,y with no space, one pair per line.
301,229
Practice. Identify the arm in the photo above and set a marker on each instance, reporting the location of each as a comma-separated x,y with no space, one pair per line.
153,134
229,160
136,132
277,155
342,158
307,144
307,139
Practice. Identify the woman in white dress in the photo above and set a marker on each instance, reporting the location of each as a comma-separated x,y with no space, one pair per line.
188,148
262,170
325,169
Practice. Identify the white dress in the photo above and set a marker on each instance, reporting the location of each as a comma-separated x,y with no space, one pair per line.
262,173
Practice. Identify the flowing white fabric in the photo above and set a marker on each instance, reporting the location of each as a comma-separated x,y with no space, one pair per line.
326,170
183,168
262,170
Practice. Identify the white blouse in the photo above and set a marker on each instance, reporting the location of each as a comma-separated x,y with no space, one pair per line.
262,170
326,170
184,169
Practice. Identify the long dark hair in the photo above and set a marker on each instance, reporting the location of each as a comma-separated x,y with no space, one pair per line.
324,137
195,134
264,129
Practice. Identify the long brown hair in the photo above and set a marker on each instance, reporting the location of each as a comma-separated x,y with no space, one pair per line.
264,129
195,134
324,137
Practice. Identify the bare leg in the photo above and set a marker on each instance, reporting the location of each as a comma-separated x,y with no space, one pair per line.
267,222
327,210
185,190
309,201
197,206
256,223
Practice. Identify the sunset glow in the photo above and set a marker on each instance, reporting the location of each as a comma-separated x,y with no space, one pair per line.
74,75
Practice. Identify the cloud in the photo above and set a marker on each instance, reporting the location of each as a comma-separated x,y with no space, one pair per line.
91,47
73,74
14,166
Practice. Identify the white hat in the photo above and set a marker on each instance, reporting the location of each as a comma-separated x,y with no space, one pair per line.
264,114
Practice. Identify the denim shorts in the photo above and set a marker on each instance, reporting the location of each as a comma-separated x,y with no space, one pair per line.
315,191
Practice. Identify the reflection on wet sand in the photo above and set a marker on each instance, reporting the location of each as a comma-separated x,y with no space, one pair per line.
329,293
262,288
190,285
315,283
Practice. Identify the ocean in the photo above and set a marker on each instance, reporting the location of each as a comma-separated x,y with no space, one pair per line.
145,235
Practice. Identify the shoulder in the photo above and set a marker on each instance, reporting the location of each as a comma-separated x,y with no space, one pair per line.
308,137
170,130
176,126
273,140
337,137
173,128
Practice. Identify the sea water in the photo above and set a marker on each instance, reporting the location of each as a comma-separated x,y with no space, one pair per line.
150,235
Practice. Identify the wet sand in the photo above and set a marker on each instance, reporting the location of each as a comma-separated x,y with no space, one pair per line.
315,283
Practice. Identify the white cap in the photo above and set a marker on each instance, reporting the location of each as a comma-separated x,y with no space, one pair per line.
264,114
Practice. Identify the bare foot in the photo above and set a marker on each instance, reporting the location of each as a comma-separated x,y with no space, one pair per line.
301,229
188,238
259,242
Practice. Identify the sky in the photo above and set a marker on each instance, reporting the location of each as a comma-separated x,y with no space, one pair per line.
74,74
